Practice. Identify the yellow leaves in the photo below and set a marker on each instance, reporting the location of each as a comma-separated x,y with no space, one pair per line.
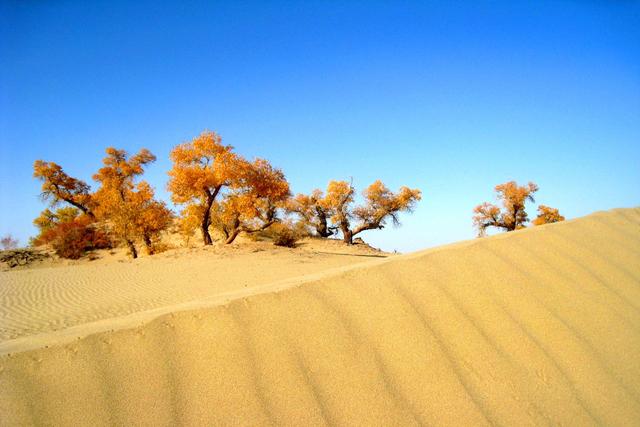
547,215
201,166
48,219
514,196
205,170
380,204
58,187
514,216
251,205
129,207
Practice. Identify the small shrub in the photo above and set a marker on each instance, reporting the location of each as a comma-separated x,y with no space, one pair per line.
284,236
73,239
8,242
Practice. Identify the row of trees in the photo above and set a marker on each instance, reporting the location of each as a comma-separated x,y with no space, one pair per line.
512,216
217,189
221,191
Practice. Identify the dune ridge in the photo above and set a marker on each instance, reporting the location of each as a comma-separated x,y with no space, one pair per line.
41,300
539,326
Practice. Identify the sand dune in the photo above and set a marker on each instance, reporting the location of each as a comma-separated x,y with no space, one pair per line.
540,326
41,300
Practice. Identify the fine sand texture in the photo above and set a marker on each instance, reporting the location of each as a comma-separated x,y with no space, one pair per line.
36,301
535,327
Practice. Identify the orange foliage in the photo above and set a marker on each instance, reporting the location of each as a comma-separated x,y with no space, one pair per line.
126,205
58,187
380,205
313,211
253,203
48,219
70,234
153,216
547,215
513,215
201,169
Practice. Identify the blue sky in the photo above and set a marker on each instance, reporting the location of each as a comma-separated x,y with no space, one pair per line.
450,97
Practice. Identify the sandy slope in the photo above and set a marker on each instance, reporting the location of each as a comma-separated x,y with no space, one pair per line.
41,300
540,326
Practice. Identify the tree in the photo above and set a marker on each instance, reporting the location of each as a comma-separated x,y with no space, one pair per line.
59,187
119,199
340,195
48,219
314,212
513,215
8,242
201,169
253,204
547,215
152,217
380,205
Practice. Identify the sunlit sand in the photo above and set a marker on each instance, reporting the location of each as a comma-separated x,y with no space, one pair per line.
539,326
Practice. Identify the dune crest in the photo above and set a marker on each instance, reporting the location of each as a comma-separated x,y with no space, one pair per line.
539,326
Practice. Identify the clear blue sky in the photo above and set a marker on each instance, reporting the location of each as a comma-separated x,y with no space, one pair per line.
451,97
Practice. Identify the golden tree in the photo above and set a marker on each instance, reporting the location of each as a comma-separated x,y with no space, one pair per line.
340,196
152,216
59,187
119,199
201,169
547,215
512,216
253,204
50,219
313,211
380,205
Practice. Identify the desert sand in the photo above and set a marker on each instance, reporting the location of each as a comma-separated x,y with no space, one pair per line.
539,326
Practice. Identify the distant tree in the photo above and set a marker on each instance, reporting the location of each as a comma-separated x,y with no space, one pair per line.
547,215
253,204
8,242
122,201
59,187
201,169
314,212
380,205
512,216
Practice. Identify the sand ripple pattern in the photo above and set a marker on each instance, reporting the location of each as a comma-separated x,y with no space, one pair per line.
539,327
49,299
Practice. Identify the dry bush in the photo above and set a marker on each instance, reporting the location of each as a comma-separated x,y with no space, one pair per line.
284,235
8,242
21,257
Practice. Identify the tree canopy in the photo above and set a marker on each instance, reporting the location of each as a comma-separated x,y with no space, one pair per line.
201,169
512,215
58,187
547,215
336,207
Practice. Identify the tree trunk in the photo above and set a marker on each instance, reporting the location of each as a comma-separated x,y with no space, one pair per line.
322,228
148,244
132,249
85,210
206,220
347,235
232,236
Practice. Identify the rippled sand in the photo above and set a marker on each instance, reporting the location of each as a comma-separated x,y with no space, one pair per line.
539,326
